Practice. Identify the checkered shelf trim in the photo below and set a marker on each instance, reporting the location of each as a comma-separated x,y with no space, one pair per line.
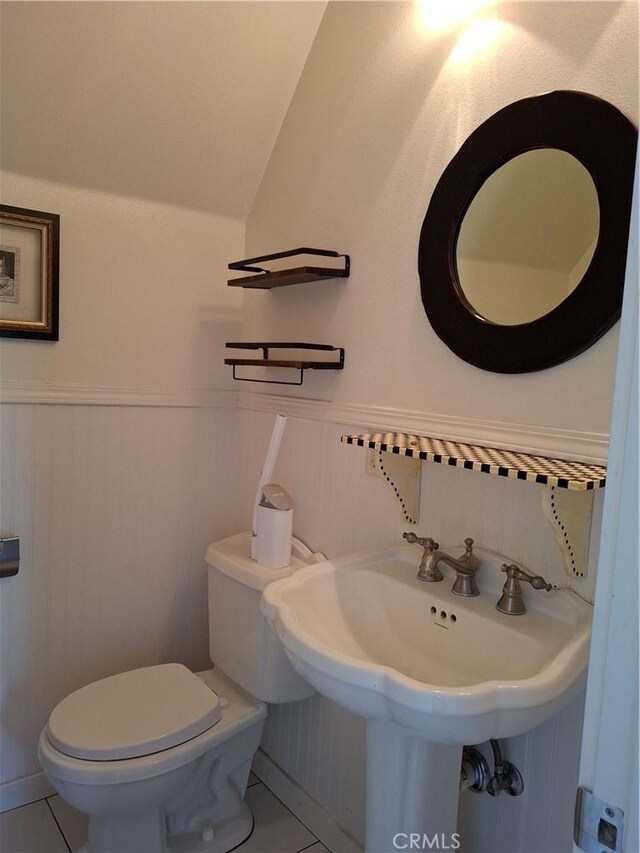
503,463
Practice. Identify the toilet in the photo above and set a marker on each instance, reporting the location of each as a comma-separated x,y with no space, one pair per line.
159,757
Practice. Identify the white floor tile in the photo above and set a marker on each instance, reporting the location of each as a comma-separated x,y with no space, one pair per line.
317,848
72,822
30,829
276,830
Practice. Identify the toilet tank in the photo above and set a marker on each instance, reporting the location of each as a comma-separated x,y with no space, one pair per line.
241,643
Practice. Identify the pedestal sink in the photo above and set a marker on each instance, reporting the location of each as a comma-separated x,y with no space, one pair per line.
429,670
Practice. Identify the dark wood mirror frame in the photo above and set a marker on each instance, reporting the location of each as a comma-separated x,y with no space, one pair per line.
604,140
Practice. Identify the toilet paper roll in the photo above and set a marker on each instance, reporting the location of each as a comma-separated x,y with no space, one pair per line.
273,540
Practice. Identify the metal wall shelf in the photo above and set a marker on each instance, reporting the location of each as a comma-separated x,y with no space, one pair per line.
563,474
296,364
267,279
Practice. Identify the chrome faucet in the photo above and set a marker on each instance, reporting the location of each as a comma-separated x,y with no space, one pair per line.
465,567
511,601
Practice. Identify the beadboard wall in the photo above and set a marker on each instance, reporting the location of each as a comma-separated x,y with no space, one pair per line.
114,506
339,510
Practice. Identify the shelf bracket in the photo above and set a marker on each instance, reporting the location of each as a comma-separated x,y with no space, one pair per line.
570,514
402,473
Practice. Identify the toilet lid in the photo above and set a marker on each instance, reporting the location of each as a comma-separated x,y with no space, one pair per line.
132,714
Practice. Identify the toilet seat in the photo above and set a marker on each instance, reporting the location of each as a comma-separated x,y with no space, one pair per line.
133,714
239,711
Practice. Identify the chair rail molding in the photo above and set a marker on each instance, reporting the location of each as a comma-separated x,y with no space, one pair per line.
539,440
576,445
52,393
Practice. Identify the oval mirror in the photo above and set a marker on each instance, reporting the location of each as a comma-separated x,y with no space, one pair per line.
528,237
523,248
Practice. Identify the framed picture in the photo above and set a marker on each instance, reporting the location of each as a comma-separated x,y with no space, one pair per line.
29,261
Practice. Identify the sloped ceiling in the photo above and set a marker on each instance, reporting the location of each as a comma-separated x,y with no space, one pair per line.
174,101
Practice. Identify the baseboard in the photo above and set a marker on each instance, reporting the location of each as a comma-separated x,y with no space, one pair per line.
23,791
304,807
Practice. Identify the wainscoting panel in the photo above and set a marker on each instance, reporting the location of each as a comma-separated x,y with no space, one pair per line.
321,746
114,507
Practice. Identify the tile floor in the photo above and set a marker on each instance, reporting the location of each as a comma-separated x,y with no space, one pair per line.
52,826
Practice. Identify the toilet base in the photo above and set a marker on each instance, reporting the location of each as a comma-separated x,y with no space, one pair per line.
232,833
142,831
185,799
149,834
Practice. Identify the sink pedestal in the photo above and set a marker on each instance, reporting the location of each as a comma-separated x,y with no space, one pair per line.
413,787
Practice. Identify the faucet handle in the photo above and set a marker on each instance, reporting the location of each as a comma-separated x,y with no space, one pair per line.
426,542
425,573
511,601
536,581
468,544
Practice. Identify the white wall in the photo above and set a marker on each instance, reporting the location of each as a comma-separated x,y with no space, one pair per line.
167,101
379,111
143,297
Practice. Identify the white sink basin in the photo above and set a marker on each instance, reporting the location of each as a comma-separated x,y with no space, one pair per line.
364,631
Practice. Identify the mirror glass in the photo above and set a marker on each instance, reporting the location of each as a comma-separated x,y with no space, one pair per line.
528,237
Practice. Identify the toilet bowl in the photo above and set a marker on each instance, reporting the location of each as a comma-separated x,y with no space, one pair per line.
159,757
